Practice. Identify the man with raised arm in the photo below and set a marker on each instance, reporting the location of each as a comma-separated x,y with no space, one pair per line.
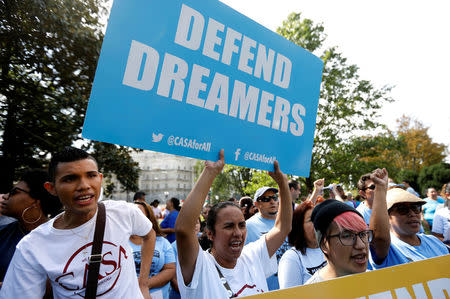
395,221
230,269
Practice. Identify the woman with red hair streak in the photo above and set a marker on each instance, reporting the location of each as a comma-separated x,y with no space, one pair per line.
304,258
343,235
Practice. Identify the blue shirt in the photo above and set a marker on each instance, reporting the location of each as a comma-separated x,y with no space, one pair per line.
10,235
258,226
169,222
401,252
365,212
430,208
163,254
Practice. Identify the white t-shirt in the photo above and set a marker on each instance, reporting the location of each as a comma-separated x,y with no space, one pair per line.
295,268
62,255
157,212
441,222
247,278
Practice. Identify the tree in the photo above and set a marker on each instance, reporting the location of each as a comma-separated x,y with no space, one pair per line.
422,151
49,51
434,176
347,104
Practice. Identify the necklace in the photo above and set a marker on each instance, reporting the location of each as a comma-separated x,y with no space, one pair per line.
86,239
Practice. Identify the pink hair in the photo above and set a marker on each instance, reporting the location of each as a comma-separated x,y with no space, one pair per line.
350,221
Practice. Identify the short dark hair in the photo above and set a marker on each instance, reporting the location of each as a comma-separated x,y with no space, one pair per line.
35,179
293,184
361,185
297,237
67,154
212,215
138,195
176,203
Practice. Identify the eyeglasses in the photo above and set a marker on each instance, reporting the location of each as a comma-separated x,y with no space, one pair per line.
348,238
15,190
371,187
404,209
267,198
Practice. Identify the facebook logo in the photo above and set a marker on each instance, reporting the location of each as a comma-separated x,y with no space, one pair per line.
236,154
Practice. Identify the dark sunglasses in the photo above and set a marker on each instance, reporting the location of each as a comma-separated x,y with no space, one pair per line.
371,187
404,209
16,190
268,198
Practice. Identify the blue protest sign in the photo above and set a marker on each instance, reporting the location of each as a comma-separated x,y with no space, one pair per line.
191,77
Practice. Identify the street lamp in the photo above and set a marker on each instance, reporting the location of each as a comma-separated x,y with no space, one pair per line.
166,194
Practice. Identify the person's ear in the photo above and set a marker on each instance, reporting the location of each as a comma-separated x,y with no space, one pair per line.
50,187
209,234
324,246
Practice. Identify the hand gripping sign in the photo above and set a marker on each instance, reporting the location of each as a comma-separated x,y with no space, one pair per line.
192,77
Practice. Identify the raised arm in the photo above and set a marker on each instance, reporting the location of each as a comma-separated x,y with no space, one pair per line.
379,219
276,236
187,242
335,191
318,187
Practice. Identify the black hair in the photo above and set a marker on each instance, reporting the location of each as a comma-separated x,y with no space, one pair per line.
293,184
296,236
138,195
68,154
246,202
35,179
176,203
212,215
362,181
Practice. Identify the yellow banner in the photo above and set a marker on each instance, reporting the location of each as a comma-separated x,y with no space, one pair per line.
424,279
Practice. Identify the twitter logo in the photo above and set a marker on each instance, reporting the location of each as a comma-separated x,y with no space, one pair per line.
157,137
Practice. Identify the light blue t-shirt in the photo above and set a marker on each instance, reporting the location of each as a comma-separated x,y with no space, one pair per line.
365,212
258,226
163,254
430,208
402,253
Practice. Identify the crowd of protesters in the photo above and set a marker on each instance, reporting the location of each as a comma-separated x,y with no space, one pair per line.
267,241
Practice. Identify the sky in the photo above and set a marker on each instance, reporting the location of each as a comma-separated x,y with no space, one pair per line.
400,43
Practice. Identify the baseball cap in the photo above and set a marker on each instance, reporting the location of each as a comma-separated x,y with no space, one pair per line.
398,195
261,191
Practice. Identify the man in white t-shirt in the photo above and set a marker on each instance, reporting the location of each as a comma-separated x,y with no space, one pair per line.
60,249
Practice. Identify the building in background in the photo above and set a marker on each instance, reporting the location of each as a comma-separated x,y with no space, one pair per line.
161,176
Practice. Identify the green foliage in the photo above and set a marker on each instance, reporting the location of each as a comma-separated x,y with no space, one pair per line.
409,175
347,103
434,176
113,159
48,56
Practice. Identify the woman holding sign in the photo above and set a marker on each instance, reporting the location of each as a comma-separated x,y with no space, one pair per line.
230,269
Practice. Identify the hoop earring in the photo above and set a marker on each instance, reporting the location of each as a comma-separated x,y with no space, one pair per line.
31,222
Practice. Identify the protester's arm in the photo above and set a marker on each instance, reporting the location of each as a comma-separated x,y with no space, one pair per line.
318,187
167,230
147,249
163,277
379,219
283,223
337,196
187,242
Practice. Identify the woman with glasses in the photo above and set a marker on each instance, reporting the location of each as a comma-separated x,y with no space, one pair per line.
343,237
396,223
31,205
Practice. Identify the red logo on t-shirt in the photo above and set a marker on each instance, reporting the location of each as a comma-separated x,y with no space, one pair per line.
74,275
